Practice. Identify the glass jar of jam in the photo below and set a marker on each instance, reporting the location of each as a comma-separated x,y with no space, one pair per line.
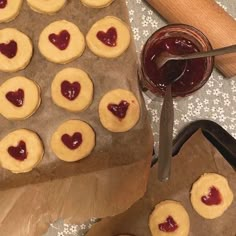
177,39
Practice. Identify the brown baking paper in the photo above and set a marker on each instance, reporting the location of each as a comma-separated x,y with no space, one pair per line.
210,18
196,157
94,186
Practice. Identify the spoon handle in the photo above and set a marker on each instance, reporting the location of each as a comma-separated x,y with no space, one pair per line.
166,136
215,52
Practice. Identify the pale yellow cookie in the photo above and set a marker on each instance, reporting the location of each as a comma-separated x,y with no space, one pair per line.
109,37
15,50
61,42
119,110
73,140
21,151
169,218
46,6
9,9
211,195
96,3
19,98
72,89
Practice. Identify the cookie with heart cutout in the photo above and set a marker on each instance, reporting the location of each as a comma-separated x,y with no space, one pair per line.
15,50
9,9
97,4
109,37
169,218
73,140
119,110
21,151
211,195
46,6
61,42
19,98
72,89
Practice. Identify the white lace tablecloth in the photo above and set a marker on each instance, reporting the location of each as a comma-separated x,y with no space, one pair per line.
216,101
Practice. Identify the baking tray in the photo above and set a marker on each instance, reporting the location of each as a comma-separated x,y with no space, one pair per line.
218,136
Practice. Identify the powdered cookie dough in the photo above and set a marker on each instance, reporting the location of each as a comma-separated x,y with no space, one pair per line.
169,218
72,89
46,6
96,4
19,98
21,151
9,9
109,37
61,42
119,110
211,195
73,140
15,50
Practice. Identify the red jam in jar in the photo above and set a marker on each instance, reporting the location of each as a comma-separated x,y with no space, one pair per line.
176,40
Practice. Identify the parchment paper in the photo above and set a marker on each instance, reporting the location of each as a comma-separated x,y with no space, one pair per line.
107,182
196,157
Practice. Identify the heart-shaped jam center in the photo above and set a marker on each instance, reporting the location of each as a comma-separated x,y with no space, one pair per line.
9,49
61,41
19,152
72,142
120,109
109,38
3,4
70,90
16,98
213,197
169,225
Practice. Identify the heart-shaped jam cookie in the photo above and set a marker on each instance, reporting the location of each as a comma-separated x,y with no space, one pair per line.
19,152
169,225
9,49
70,90
120,109
16,97
72,142
3,4
213,197
61,41
109,38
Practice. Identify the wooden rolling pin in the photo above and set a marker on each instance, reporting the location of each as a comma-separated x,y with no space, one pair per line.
210,18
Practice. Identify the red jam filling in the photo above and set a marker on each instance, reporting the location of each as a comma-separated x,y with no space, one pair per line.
9,50
193,71
70,90
3,4
120,109
109,38
213,197
16,98
72,142
169,225
19,152
61,41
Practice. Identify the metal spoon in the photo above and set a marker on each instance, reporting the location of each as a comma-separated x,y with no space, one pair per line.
166,131
164,57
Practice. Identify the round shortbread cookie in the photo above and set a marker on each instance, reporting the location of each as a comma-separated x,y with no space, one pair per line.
9,9
73,140
15,50
97,4
109,37
19,98
46,6
119,110
211,195
72,89
169,218
21,151
61,42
